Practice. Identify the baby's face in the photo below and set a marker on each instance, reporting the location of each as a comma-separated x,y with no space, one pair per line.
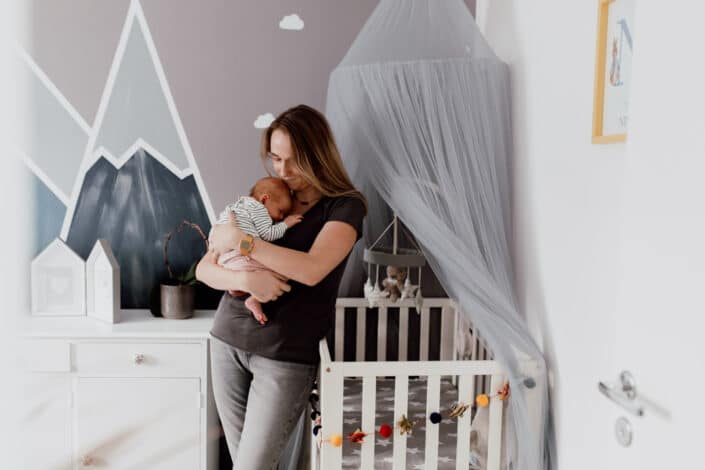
278,207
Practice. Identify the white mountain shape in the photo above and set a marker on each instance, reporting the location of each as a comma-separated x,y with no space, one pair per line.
138,108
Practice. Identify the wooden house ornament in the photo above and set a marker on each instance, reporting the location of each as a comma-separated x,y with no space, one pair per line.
103,283
58,282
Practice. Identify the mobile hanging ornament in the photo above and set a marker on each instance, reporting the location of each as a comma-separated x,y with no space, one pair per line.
398,262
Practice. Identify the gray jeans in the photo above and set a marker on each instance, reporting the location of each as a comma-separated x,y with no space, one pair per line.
259,401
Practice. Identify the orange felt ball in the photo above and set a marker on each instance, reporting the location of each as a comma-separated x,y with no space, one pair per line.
385,431
336,440
482,400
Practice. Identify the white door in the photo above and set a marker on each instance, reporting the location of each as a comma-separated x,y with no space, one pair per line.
137,423
660,310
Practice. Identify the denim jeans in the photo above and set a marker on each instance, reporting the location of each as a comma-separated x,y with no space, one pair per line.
259,401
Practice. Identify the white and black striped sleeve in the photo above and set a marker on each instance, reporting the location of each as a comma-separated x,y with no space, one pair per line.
265,226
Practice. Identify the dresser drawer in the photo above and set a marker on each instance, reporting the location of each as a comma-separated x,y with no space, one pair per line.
139,359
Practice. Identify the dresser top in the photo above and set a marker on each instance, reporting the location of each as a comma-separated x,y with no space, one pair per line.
133,324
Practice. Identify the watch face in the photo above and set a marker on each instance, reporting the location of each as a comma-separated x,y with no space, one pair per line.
245,244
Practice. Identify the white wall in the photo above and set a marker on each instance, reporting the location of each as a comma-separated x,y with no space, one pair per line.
567,206
609,238
14,247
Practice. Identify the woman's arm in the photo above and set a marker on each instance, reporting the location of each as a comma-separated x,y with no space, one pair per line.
263,285
331,246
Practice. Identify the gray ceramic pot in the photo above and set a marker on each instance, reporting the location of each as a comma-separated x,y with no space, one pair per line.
177,301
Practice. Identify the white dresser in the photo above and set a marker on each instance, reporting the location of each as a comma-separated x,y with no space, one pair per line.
134,395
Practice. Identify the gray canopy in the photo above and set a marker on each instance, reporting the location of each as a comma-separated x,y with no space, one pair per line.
420,108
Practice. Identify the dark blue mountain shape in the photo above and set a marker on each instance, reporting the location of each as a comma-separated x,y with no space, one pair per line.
134,208
48,214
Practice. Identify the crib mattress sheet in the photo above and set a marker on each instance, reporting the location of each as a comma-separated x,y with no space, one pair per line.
416,443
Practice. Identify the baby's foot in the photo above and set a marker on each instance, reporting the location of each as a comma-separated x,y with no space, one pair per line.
256,308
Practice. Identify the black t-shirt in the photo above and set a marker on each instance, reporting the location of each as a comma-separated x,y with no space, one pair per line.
301,317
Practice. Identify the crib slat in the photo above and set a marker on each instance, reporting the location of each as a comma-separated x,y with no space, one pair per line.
462,452
401,396
382,334
339,333
331,414
367,457
403,332
433,400
360,340
494,440
448,314
423,336
475,344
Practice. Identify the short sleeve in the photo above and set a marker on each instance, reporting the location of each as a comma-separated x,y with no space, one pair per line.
348,209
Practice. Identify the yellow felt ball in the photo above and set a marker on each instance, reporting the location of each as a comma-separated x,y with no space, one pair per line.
336,440
482,400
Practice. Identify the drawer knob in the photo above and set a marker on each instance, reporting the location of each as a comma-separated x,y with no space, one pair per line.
138,359
87,461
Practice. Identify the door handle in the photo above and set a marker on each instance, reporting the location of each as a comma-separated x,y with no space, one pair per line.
624,395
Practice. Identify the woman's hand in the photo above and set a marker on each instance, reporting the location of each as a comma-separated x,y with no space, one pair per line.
266,286
226,237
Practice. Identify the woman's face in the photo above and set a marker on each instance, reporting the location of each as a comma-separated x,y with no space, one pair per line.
282,155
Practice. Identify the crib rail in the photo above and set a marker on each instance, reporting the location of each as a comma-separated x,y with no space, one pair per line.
471,377
449,325
332,376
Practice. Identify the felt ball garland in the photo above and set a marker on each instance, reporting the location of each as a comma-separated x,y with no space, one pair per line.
385,431
336,440
404,424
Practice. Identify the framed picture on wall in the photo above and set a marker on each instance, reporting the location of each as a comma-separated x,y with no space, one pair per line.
612,71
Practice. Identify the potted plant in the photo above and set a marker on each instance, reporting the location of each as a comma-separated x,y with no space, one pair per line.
177,298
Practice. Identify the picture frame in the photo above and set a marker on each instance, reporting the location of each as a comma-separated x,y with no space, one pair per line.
58,280
612,71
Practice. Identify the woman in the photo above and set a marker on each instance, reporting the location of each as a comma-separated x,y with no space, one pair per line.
262,373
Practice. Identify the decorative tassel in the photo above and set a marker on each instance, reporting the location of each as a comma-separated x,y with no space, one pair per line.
406,426
357,437
458,410
504,392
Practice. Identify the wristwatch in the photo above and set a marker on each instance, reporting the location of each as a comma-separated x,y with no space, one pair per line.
247,244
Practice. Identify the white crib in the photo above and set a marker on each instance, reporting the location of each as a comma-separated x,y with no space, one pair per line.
333,371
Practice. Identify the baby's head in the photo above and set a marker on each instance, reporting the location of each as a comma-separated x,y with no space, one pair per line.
274,194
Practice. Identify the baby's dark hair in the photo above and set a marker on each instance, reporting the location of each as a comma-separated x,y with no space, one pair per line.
275,187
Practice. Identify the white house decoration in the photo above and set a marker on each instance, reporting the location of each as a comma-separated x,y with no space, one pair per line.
103,283
58,279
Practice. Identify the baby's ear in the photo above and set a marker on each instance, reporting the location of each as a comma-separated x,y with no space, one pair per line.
264,198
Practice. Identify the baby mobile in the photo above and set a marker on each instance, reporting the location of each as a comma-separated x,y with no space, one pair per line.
406,425
399,262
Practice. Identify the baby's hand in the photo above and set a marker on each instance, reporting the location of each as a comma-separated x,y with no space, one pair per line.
292,220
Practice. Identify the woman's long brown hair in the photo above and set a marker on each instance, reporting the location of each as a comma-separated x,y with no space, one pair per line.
315,151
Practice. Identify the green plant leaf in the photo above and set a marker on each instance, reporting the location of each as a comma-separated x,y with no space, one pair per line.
189,277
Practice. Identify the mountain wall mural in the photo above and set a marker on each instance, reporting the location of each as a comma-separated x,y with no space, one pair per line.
134,208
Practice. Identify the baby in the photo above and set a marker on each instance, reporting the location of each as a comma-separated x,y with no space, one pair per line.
269,201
